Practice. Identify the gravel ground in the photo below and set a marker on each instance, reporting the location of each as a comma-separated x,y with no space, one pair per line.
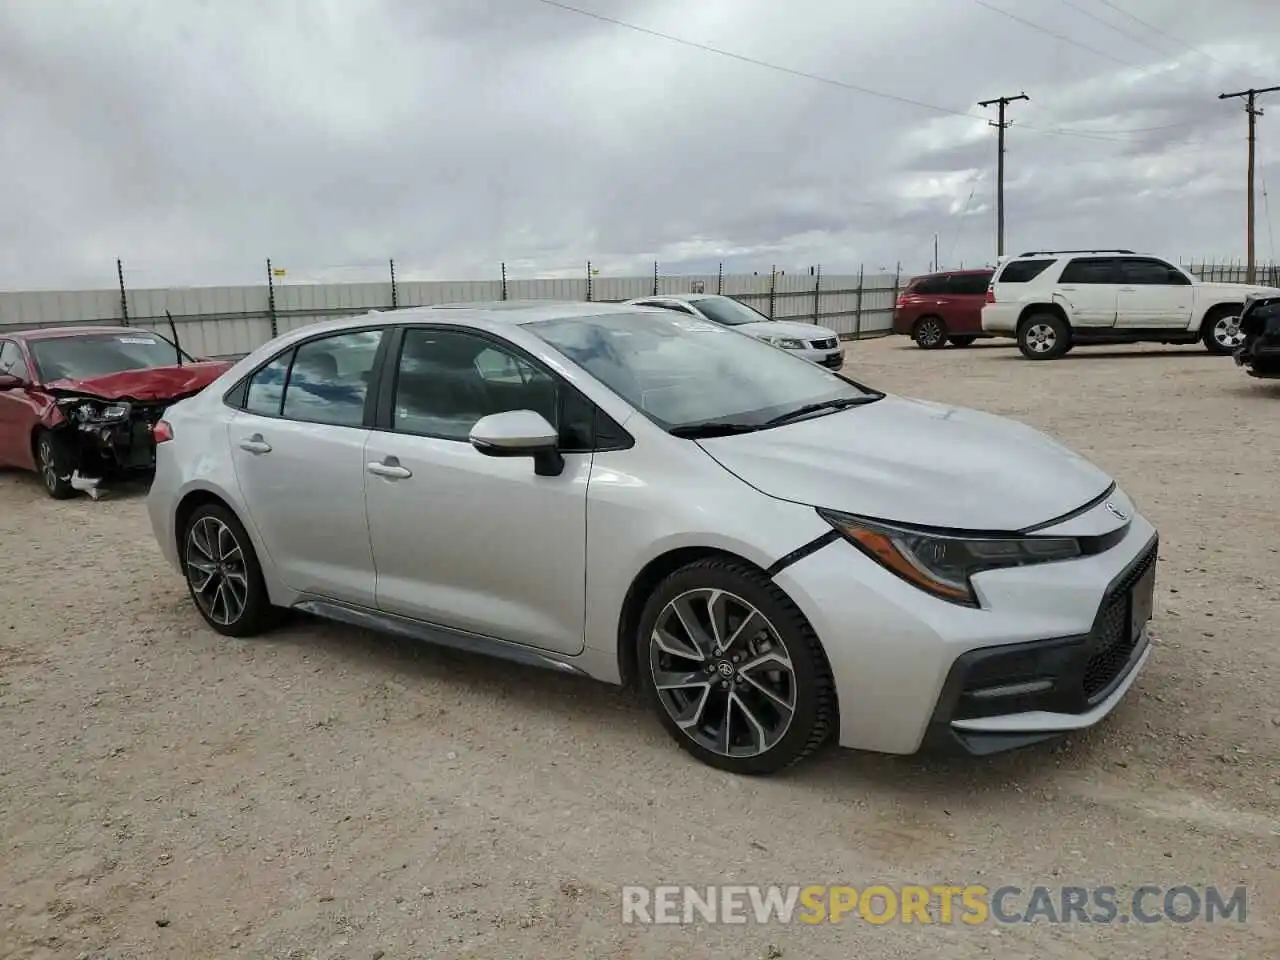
328,793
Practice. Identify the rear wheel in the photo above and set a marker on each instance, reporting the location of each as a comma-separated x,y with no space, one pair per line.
1044,336
965,341
56,459
1220,330
223,574
734,669
930,333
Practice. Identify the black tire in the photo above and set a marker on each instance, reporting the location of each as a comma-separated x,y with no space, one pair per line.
256,614
1209,333
965,341
56,459
808,686
1044,336
930,333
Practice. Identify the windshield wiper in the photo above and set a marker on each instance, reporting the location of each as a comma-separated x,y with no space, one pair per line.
840,403
712,428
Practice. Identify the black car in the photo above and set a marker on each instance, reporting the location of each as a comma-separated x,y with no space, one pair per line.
1259,354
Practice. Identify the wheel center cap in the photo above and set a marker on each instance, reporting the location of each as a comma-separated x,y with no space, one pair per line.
725,669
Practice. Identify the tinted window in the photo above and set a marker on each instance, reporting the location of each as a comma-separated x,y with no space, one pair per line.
329,379
447,380
85,356
266,387
11,361
727,311
670,305
929,285
969,284
1151,272
1090,270
1023,271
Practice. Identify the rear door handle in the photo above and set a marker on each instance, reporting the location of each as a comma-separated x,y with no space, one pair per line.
255,444
389,468
1128,289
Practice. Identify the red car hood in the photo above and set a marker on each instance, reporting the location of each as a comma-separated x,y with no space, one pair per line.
157,383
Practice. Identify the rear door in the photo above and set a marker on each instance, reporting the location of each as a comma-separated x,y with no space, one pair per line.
1153,294
1088,287
966,293
298,448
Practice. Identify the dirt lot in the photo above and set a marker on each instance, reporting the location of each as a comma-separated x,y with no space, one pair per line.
327,793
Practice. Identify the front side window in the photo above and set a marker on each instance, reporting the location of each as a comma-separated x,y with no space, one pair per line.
329,378
85,356
11,361
682,371
727,311
1151,273
446,380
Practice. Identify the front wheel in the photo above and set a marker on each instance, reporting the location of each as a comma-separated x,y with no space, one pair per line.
1220,330
1044,336
223,574
56,459
734,669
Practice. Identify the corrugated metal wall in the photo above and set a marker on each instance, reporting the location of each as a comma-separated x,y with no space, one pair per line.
231,321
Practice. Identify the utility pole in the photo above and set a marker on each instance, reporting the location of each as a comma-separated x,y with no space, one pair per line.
1254,111
1000,124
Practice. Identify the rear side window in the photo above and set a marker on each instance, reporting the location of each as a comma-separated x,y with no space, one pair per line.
1090,270
330,378
1022,271
969,284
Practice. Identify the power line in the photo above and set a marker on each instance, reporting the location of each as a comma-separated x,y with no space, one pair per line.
818,78
1154,29
1111,26
1059,36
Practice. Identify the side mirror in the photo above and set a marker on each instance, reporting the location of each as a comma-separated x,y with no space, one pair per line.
9,382
520,433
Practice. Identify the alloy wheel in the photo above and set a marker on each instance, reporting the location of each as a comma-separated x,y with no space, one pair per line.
929,333
216,570
1226,332
48,464
723,673
1041,337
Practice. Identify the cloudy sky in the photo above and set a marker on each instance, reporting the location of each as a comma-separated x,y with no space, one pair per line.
194,138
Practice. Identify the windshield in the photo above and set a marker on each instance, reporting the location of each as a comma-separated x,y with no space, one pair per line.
680,371
728,311
83,357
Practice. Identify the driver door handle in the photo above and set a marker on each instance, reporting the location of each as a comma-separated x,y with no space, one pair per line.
255,444
390,468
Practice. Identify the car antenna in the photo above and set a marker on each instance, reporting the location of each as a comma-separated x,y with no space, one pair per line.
173,329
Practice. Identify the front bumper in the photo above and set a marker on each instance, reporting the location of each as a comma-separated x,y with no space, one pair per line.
832,359
913,672
1260,356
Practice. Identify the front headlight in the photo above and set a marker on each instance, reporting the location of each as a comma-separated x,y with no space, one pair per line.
787,343
942,563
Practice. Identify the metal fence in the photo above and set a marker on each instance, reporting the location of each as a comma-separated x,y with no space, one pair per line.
231,321
1267,274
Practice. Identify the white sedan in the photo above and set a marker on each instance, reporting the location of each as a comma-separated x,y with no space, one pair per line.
817,344
778,555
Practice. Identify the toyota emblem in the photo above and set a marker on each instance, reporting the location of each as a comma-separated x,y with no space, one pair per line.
1116,511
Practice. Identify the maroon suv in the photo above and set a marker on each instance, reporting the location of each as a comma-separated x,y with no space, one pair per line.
941,308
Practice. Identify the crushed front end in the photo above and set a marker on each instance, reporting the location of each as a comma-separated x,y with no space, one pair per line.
109,439
1259,353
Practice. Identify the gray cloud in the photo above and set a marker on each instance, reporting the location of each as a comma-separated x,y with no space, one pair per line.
193,140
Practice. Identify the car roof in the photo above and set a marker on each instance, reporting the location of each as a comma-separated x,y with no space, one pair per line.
686,297
55,333
970,272
513,312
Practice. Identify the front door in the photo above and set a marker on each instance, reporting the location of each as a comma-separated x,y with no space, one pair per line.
1088,289
1153,294
17,416
460,539
299,452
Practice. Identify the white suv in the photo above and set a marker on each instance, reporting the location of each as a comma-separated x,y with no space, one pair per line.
1051,300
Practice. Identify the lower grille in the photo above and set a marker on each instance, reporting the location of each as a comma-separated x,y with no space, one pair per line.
1114,642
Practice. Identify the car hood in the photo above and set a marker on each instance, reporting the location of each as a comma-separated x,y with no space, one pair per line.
156,383
916,462
1240,289
786,328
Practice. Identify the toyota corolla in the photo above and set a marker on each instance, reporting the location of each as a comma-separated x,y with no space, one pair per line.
778,555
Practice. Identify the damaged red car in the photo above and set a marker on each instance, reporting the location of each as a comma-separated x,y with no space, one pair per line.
78,404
